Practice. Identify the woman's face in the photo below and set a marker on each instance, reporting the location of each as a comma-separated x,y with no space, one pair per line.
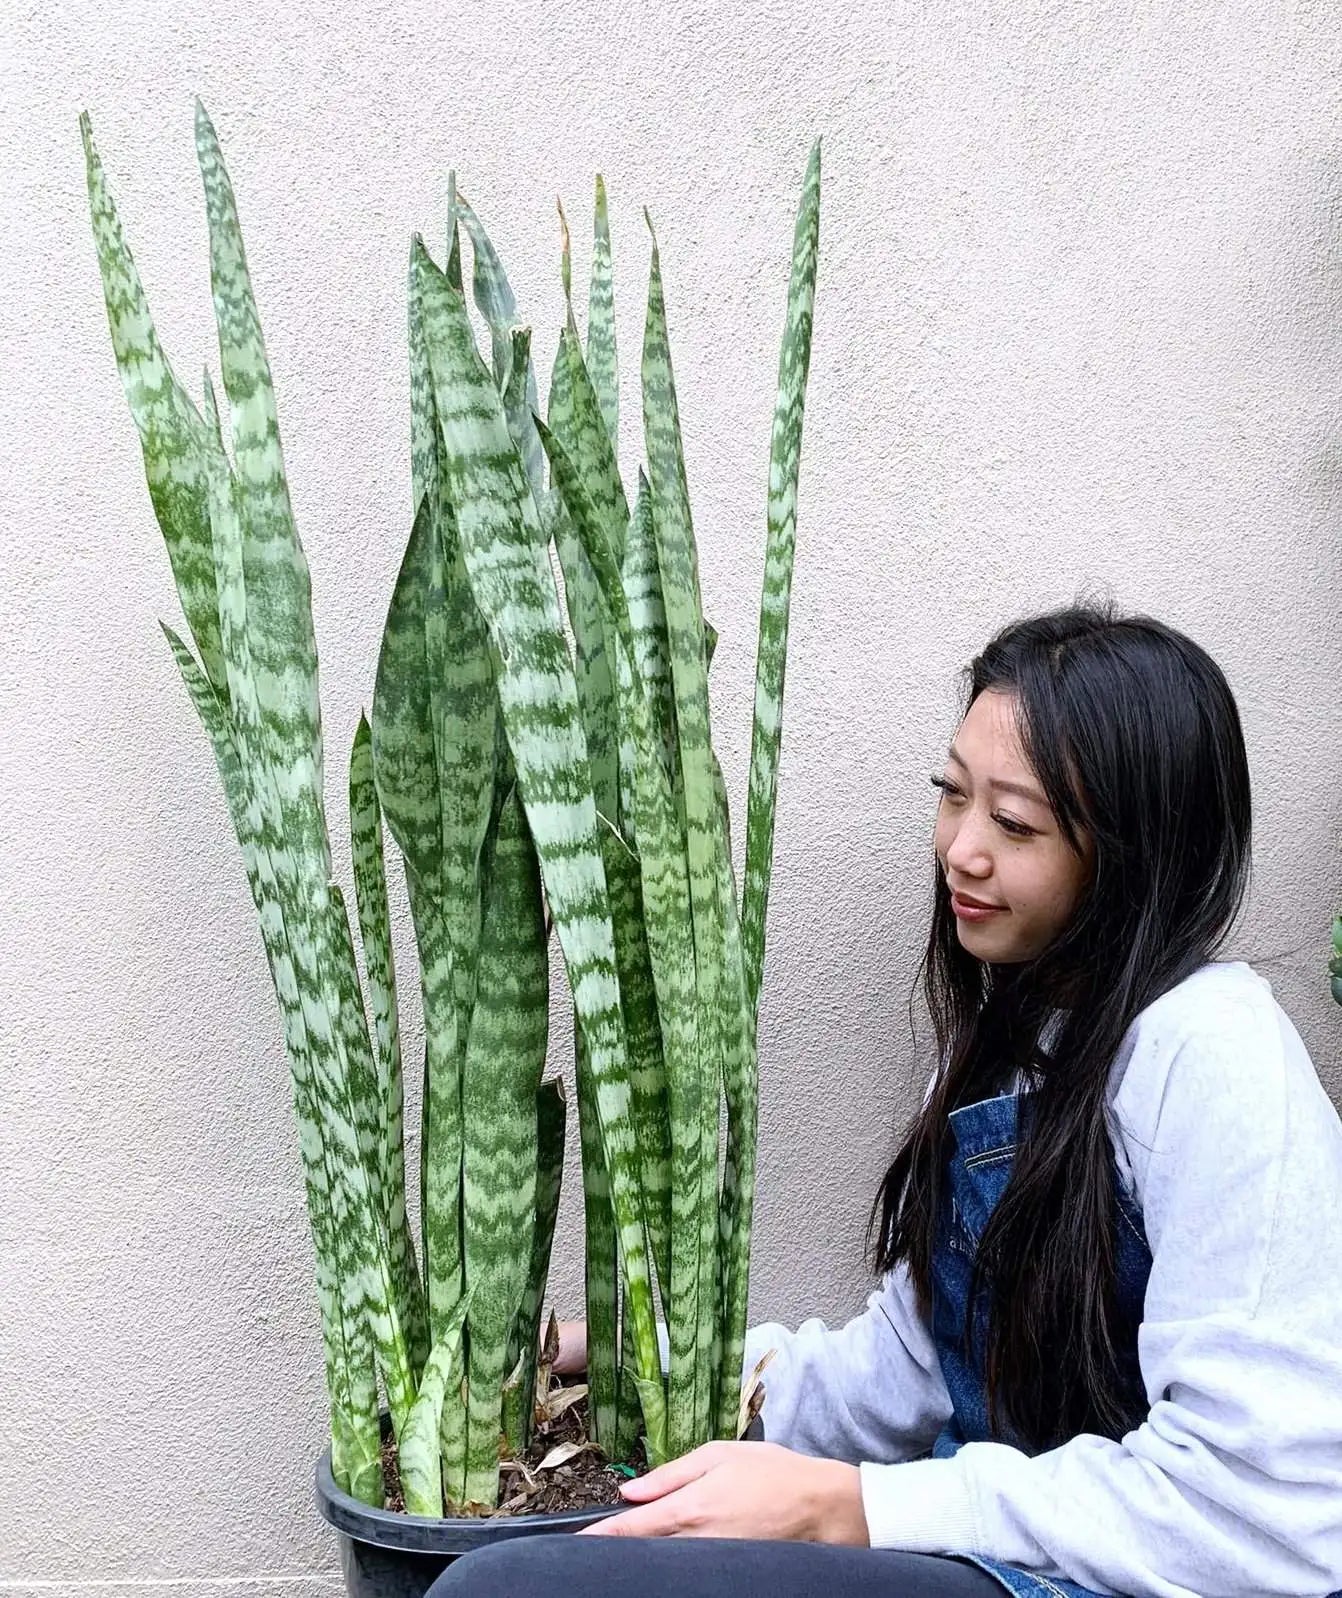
998,842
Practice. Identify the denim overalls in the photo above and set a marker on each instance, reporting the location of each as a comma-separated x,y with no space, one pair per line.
984,1146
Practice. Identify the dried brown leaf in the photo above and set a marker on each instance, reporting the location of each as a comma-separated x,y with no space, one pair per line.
564,1452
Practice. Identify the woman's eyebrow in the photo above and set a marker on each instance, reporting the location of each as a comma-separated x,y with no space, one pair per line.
1019,789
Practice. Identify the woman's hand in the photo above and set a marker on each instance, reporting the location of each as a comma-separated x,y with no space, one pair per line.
743,1490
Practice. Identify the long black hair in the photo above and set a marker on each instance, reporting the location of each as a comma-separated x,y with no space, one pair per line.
1133,733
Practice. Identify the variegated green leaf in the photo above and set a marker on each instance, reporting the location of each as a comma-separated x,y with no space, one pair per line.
596,690
490,288
352,1385
370,891
566,266
517,407
505,1058
370,897
784,464
579,427
601,1282
279,597
434,750
417,1440
322,1098
647,615
433,741
171,430
270,659
668,921
519,1393
741,1086
453,234
677,561
643,1024
602,360
505,553
643,1038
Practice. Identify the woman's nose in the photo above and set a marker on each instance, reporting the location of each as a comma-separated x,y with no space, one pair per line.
967,853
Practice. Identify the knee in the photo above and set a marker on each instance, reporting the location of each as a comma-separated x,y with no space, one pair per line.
519,1567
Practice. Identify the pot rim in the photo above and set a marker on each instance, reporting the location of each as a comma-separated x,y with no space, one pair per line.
436,1534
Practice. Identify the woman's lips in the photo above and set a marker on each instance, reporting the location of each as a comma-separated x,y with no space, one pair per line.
973,912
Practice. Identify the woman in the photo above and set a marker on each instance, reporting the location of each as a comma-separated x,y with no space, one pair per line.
1106,1354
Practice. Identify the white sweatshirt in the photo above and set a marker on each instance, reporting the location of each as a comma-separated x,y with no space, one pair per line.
1232,1485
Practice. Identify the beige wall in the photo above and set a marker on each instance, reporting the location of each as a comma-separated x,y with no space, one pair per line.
1079,326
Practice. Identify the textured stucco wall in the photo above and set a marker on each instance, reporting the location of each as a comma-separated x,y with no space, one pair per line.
1079,326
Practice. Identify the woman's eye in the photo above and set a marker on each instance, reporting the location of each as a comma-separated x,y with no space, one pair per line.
1017,829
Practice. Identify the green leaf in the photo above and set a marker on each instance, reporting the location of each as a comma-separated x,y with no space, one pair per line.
771,661
579,427
518,391
505,1059
602,359
668,923
270,658
519,1395
594,665
647,615
370,891
417,1439
505,553
435,745
350,1373
677,561
492,292
172,434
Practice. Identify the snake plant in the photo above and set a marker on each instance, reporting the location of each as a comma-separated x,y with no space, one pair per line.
544,763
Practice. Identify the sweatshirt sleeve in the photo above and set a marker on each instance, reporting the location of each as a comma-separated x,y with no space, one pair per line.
1233,1483
872,1387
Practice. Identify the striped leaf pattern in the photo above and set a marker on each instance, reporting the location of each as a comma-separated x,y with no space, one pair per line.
771,659
698,1127
667,906
350,1372
601,1285
521,788
602,357
551,1115
280,764
171,430
417,1440
407,729
370,889
647,615
504,551
505,1058
353,1237
596,691
519,389
493,295
630,881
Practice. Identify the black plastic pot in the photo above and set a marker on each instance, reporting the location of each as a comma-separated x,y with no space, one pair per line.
385,1554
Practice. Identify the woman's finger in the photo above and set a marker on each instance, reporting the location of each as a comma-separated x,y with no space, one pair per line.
675,1473
661,1518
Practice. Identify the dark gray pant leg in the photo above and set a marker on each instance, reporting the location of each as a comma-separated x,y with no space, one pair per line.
560,1565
